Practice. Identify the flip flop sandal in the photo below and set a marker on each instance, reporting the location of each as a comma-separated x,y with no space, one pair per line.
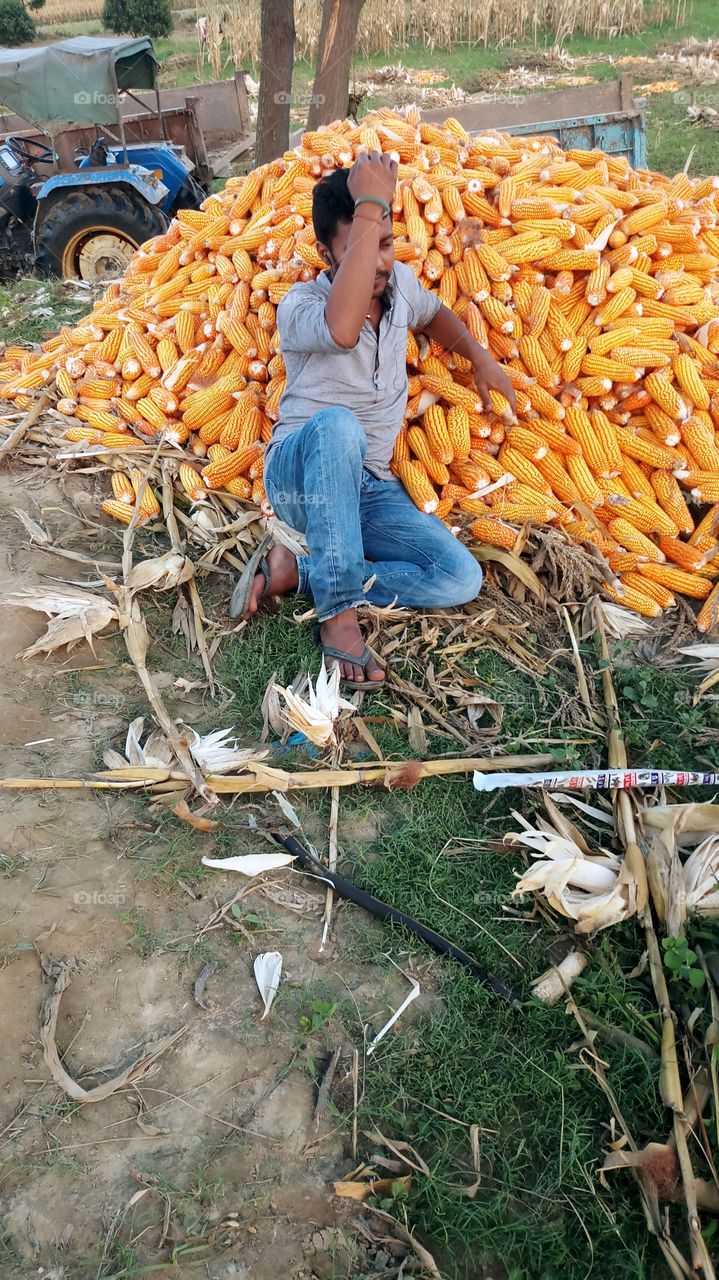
257,563
339,655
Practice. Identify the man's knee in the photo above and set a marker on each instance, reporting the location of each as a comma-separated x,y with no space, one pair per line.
463,577
339,426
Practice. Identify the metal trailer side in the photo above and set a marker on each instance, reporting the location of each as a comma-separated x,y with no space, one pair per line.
604,115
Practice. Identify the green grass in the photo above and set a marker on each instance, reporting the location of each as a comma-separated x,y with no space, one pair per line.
475,1059
24,305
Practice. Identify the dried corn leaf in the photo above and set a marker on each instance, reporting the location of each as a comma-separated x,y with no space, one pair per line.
250,864
315,716
75,615
268,969
161,572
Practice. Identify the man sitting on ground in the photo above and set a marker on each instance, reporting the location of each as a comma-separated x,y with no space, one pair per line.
327,472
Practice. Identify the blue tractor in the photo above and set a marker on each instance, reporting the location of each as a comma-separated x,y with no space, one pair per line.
86,222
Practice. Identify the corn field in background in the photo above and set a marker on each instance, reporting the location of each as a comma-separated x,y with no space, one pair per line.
439,26
436,26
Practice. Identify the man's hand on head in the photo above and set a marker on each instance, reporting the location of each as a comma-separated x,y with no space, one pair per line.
490,376
373,174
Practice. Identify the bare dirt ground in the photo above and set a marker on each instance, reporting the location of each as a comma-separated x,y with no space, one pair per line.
214,1155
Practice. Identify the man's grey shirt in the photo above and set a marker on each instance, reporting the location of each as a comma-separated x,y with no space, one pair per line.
370,378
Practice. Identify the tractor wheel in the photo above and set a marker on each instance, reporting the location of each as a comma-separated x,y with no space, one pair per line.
190,195
91,234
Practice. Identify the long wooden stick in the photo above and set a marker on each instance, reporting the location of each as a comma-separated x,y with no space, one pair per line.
261,777
670,1087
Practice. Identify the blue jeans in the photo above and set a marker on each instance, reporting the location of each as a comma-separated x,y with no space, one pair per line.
358,527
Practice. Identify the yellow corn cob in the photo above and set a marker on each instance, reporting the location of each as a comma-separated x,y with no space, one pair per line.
642,450
401,447
493,532
646,516
438,437
698,436
597,438
686,584
419,443
624,561
458,430
582,477
703,536
191,482
636,480
558,440
217,473
122,488
602,367
637,601
671,500
708,616
636,581
632,539
122,511
75,434
533,446
147,502
689,558
703,485
416,482
558,479
533,357
690,381
240,487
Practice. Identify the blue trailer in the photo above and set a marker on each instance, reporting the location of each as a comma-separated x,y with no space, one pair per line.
601,115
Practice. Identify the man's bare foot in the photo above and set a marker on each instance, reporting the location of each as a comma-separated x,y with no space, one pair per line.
283,578
342,632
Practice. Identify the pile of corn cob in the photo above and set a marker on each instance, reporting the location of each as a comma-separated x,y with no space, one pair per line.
595,285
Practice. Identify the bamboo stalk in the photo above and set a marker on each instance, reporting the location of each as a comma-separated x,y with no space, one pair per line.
265,778
261,777
670,1088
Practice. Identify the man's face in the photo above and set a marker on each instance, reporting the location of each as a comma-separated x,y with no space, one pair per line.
335,252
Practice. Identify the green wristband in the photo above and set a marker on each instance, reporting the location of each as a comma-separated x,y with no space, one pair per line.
374,200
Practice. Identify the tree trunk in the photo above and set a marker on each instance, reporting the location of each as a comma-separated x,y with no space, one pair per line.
277,52
334,59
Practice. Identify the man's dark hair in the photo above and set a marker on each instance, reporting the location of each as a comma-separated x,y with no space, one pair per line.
331,204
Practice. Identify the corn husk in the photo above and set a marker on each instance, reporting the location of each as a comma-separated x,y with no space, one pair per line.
316,714
74,614
584,888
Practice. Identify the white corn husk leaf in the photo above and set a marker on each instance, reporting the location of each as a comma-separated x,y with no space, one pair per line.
251,864
75,615
218,752
156,753
315,716
268,968
161,572
689,822
701,877
584,889
704,655
621,622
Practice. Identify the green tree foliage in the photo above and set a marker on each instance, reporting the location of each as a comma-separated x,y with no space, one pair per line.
137,17
16,25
